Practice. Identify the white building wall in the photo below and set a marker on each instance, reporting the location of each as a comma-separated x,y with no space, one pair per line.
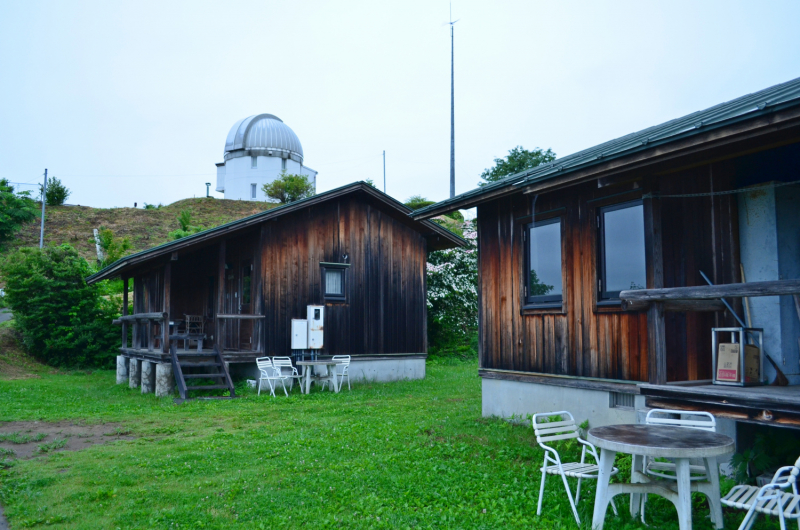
237,176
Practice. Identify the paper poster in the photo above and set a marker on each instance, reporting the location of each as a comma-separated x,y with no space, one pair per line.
728,362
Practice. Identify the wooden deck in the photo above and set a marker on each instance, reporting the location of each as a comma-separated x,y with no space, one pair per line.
771,405
157,356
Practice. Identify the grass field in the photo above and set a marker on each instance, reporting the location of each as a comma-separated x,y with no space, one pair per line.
413,454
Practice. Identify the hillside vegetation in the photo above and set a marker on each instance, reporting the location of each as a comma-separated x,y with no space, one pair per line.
144,228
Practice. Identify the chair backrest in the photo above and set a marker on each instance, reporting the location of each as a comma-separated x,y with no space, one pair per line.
264,363
282,362
341,359
689,419
194,323
562,428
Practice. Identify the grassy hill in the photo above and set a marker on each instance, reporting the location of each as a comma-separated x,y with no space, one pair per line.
144,228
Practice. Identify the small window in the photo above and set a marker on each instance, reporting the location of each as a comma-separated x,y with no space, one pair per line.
283,164
621,249
334,280
253,162
544,284
252,191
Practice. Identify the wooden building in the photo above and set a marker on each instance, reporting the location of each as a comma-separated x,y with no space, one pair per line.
353,250
562,246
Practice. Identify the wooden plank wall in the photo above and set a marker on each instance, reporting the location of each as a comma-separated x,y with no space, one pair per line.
580,338
385,307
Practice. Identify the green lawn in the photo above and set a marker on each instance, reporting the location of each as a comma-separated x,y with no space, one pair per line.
398,455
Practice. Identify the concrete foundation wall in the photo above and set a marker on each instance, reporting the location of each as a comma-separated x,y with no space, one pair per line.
380,370
513,398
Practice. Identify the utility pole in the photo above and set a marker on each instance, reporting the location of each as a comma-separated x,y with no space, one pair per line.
44,200
384,171
452,113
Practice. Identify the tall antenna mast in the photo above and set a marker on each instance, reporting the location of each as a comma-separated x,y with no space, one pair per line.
452,112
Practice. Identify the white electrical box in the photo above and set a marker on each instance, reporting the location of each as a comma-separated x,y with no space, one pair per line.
299,334
316,326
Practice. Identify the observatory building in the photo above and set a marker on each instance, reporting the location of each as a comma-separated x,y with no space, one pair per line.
257,150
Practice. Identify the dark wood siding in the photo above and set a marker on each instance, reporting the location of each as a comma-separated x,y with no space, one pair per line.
582,338
384,310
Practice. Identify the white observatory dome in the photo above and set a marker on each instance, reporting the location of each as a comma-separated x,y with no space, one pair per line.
263,135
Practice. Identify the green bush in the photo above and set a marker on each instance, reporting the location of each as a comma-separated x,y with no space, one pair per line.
64,321
16,209
56,193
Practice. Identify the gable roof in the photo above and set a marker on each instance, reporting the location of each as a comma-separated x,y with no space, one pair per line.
430,230
769,100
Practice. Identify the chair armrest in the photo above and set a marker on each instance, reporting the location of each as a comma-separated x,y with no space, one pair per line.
592,449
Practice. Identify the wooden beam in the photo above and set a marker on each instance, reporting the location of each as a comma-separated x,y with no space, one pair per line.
124,311
676,306
218,339
167,299
654,259
711,292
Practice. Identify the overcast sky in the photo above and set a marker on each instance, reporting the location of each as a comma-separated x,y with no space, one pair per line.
131,101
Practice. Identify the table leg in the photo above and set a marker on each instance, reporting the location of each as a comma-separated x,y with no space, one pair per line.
684,504
637,465
307,379
601,497
712,469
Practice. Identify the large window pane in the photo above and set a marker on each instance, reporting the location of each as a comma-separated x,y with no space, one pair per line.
623,248
544,275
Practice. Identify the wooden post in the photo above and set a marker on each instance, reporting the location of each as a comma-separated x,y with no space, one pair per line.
656,336
124,311
167,292
218,324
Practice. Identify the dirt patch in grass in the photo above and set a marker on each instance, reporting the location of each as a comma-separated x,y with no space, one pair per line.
29,439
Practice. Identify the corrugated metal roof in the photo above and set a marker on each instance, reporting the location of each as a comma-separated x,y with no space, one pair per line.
746,107
263,131
112,270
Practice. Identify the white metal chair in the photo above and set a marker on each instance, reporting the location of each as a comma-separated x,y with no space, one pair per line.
342,369
281,363
554,426
771,499
268,374
700,420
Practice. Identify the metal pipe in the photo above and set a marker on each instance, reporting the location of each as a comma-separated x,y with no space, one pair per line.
44,200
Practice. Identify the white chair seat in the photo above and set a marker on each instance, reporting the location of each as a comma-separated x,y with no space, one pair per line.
742,497
577,470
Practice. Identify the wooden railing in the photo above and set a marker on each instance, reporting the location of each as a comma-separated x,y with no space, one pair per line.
142,320
704,297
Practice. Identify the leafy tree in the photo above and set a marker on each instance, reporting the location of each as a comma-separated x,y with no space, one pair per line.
113,247
56,193
185,219
536,287
370,182
63,321
518,159
288,188
16,209
453,297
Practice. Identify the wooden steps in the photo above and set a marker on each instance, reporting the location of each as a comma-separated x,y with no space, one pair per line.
213,368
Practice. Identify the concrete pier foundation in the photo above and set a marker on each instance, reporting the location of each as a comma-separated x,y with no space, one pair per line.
135,373
165,380
122,369
148,377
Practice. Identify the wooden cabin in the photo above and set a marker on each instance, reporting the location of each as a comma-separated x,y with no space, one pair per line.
353,250
562,245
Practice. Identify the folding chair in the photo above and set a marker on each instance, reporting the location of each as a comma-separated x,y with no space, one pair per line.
268,374
769,499
285,362
565,429
703,421
342,369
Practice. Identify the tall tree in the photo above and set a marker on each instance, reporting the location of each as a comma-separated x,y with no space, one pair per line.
518,159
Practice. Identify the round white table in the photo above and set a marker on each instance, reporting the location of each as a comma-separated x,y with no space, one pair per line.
678,443
331,377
